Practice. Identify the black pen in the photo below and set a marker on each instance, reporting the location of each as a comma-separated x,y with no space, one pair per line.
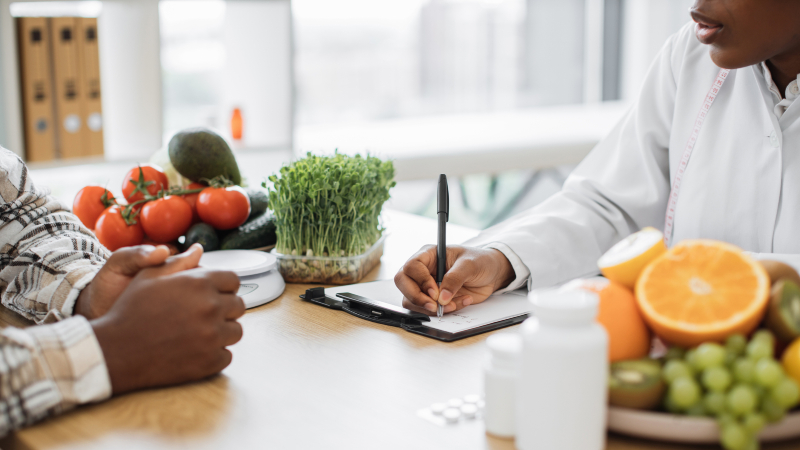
443,213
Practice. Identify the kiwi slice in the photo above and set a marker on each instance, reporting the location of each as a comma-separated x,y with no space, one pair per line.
783,312
635,384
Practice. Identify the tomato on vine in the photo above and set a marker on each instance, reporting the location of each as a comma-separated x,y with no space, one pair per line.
115,232
192,199
166,219
90,202
223,207
143,178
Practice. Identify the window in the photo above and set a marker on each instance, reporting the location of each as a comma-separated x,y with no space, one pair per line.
363,60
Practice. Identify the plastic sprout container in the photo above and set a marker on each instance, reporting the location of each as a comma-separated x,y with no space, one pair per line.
314,269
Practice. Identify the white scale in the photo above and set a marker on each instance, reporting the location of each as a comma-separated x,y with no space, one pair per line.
258,273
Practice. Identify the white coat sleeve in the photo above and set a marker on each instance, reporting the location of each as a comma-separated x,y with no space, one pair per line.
620,187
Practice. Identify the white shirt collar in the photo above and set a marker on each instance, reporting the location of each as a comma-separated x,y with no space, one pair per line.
782,102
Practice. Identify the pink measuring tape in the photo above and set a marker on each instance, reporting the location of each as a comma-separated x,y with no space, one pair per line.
669,221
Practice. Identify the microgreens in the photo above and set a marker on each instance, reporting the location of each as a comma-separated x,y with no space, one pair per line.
330,204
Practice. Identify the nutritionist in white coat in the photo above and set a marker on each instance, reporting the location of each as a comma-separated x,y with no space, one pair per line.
710,149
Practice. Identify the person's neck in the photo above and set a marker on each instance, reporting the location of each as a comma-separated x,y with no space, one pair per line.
784,69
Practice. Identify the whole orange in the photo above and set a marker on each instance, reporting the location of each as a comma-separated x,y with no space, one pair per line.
628,336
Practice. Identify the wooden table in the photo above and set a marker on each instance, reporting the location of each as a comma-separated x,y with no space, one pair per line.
305,377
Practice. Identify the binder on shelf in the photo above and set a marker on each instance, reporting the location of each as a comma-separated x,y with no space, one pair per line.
69,137
37,91
89,86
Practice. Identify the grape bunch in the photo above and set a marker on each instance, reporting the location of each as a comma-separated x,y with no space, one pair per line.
740,384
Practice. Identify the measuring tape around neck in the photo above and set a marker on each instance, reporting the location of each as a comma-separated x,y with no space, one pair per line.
669,220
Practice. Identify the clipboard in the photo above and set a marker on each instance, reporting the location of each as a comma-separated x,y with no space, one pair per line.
392,315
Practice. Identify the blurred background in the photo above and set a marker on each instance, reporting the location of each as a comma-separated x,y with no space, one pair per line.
504,96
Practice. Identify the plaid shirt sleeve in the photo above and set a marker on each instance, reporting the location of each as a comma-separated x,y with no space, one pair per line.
47,255
49,369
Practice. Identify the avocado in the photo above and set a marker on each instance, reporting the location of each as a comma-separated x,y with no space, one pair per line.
636,384
203,234
783,311
258,203
200,154
256,233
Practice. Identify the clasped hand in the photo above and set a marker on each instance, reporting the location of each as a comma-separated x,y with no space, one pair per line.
160,319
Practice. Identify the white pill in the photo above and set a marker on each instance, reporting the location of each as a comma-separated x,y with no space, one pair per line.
474,399
451,415
469,411
455,403
438,408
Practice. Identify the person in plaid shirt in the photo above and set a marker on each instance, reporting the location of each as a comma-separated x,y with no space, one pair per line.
108,323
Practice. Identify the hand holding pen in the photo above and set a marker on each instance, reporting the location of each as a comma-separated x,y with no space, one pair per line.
453,277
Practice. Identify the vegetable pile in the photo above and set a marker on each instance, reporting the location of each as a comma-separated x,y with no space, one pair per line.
211,211
329,206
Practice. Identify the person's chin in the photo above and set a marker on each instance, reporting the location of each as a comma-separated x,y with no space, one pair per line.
726,58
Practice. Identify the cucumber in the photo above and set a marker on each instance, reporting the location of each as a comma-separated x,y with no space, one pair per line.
258,203
257,233
204,234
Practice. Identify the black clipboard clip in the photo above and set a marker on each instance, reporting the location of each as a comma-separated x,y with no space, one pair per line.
387,314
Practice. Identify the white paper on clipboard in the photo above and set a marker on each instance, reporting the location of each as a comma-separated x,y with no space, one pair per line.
494,309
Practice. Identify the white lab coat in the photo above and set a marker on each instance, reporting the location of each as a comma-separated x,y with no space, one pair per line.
742,183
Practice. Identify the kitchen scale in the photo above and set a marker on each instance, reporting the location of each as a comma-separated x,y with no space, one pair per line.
258,273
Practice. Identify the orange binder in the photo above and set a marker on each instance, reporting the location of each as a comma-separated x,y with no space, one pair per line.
89,86
68,94
37,90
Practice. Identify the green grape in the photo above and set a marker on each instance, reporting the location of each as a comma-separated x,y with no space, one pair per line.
754,423
674,353
786,393
675,368
697,410
709,354
772,411
670,406
714,402
768,372
764,336
724,419
730,358
684,392
716,379
691,359
758,349
734,437
752,444
741,400
743,370
736,344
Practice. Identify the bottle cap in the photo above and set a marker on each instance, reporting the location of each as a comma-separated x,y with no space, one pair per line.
505,349
572,307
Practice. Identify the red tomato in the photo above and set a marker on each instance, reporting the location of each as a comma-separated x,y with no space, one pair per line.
166,219
223,208
152,174
114,233
88,204
192,199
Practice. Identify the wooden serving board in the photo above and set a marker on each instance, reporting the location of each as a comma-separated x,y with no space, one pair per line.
684,429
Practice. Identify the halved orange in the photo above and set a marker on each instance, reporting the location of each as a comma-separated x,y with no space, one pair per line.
702,290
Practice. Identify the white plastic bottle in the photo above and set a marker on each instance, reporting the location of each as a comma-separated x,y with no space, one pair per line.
562,388
499,384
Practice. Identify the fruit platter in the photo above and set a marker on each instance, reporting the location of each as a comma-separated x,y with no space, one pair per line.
704,342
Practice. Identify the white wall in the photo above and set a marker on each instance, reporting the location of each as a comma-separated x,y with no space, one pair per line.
258,71
130,71
648,24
